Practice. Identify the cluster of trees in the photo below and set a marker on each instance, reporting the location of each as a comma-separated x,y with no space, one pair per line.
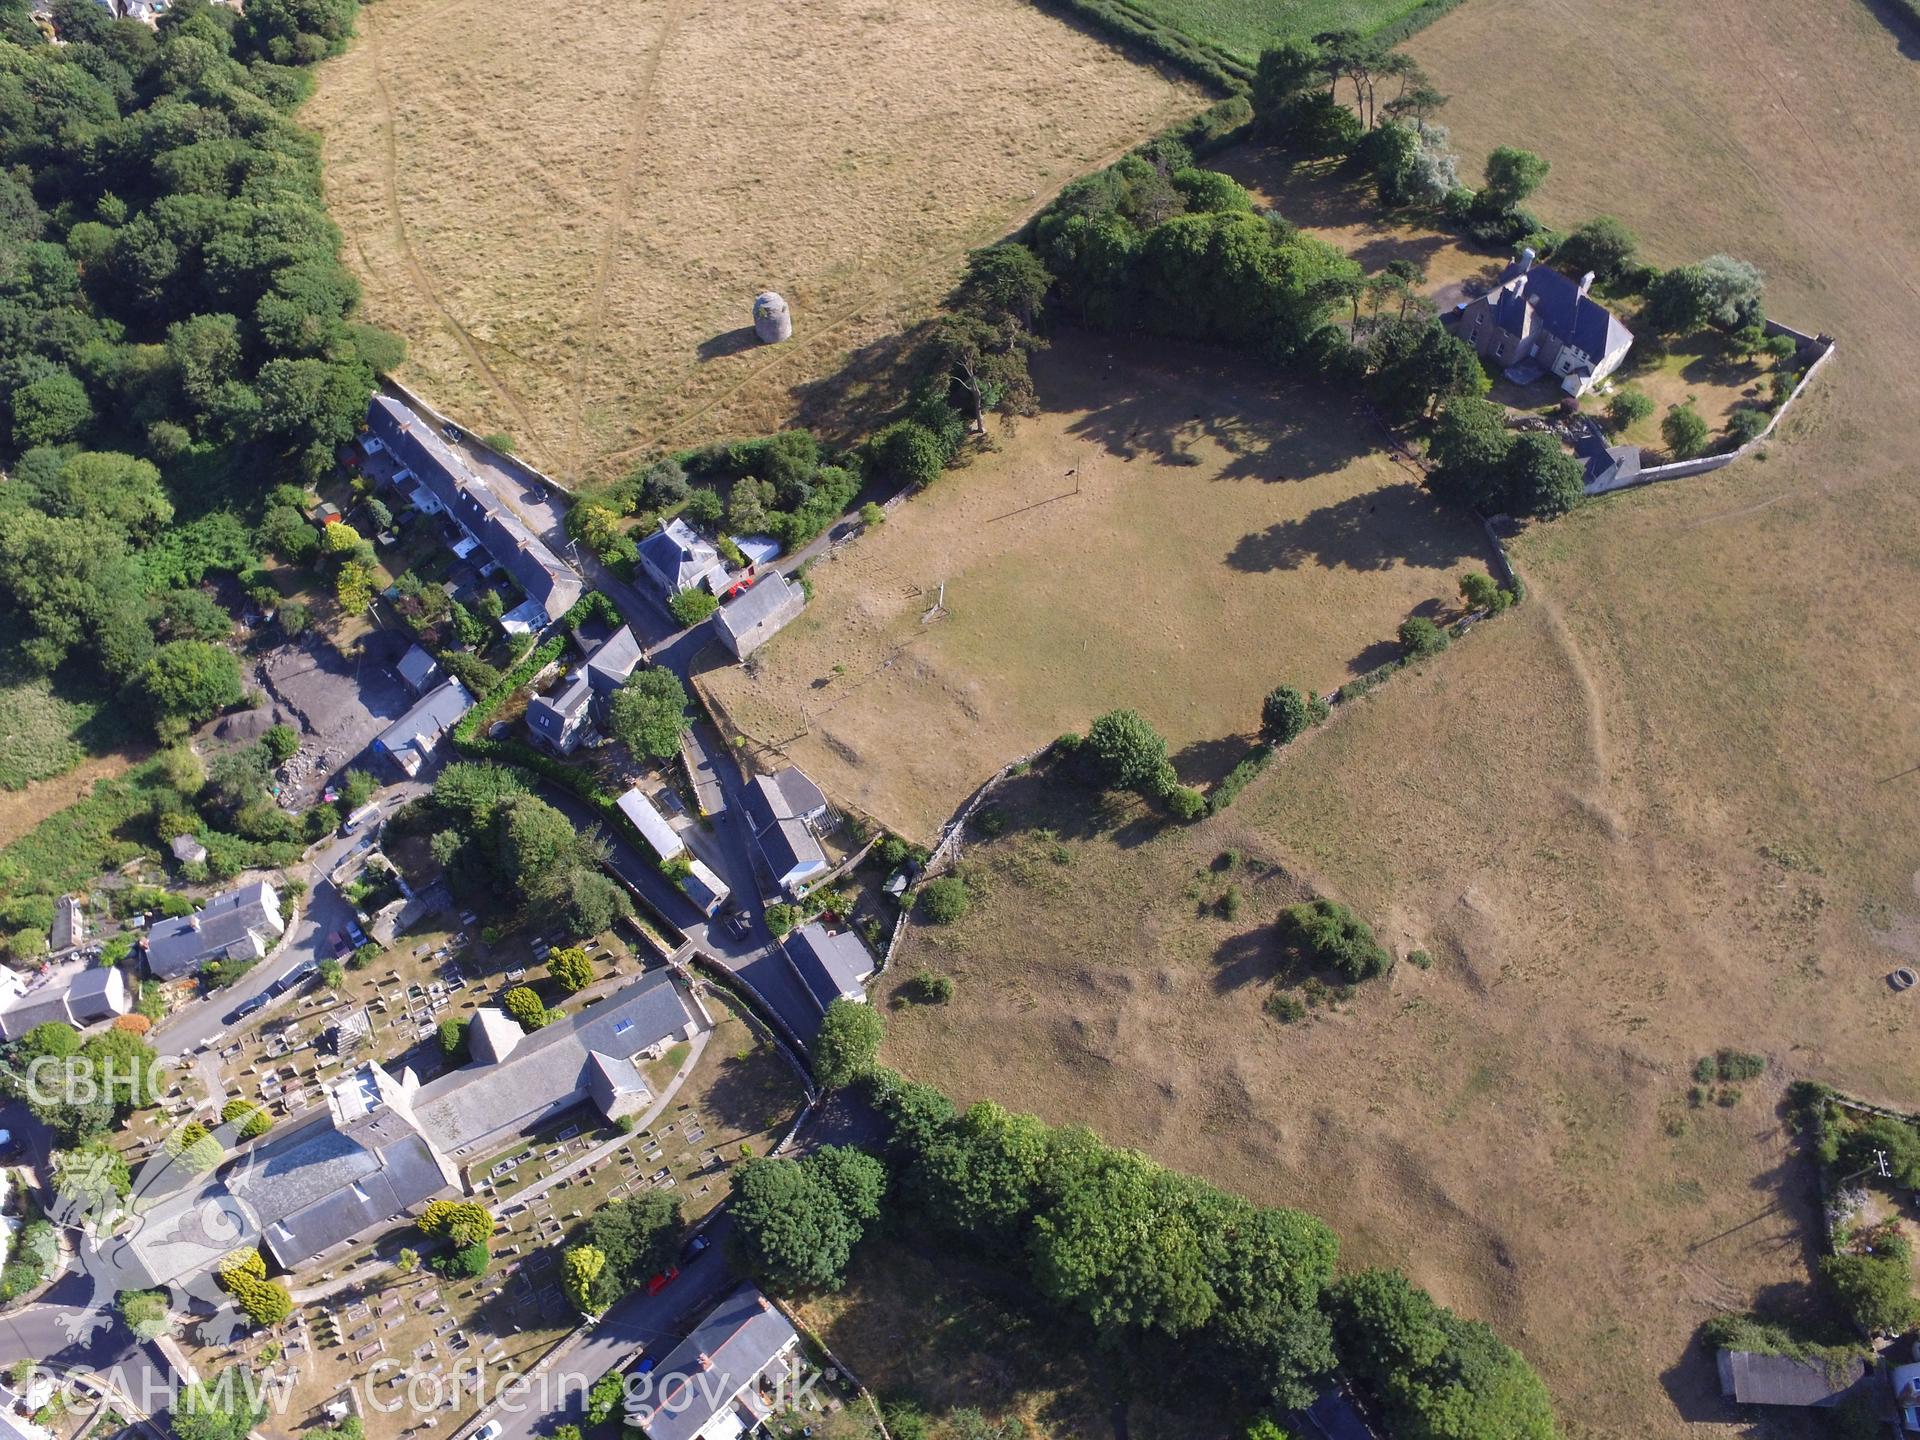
1123,751
495,837
796,1222
1327,933
621,1246
80,1089
847,1043
1287,712
224,1407
176,330
243,1275
648,714
1478,461
466,1226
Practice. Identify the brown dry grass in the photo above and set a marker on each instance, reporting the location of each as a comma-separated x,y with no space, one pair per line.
1670,804
1163,503
568,210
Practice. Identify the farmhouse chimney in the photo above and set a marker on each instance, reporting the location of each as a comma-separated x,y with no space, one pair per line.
1526,259
1586,282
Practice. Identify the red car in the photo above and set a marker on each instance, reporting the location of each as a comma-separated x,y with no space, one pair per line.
663,1279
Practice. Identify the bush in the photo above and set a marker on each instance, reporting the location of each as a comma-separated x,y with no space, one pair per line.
1745,424
281,742
1285,1007
927,988
1242,774
1628,407
782,917
1685,432
690,607
944,901
523,1005
467,1263
364,956
908,453
1284,714
848,1040
1130,753
1480,592
1325,932
453,1039
1186,803
571,969
1420,638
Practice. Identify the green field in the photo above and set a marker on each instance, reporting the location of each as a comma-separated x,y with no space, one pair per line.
46,730
1246,27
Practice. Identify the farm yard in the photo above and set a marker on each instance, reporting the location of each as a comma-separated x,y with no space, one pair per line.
1665,806
1167,503
581,276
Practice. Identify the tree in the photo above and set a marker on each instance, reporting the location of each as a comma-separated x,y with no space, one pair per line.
1420,638
74,584
580,1267
1284,714
1417,362
1685,431
638,1237
224,1408
463,1222
1284,74
1602,245
1733,290
1481,592
1628,408
1325,932
452,1035
649,714
943,901
570,968
50,410
907,453
282,742
251,1121
1679,300
1861,1145
524,1006
1005,281
1131,754
847,1043
469,1262
355,585
92,1177
1539,477
332,973
692,606
146,1313
796,1221
1512,175
1875,1290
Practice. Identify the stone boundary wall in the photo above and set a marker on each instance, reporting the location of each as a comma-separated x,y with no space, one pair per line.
1701,464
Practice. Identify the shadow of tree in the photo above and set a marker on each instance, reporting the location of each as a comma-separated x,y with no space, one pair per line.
842,407
1372,531
1245,959
1206,762
1373,657
1900,24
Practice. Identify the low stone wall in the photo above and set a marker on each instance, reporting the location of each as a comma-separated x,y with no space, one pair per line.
421,406
1701,464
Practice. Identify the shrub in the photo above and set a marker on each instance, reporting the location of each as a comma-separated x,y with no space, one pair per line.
571,969
467,1263
1685,432
363,956
453,1038
1745,424
133,1024
1129,751
690,607
848,1040
1420,637
871,515
782,917
281,742
908,453
1738,1064
1480,592
1185,802
1876,1290
1420,960
524,1006
332,973
927,988
1284,714
1286,1008
1628,407
1325,932
944,901
251,1121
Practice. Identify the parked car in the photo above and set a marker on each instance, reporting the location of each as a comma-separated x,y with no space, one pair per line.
738,925
490,1430
663,1279
693,1247
296,977
245,1008
9,1147
355,933
645,1367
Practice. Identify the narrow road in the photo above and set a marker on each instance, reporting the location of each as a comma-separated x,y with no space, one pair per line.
322,912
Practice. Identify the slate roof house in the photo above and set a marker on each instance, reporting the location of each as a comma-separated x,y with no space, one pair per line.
1748,1378
546,580
833,965
747,623
419,669
1605,467
560,719
78,993
782,811
516,1080
724,1378
706,889
1536,319
239,925
410,742
679,559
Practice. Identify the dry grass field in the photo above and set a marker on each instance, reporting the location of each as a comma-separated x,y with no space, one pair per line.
1171,534
569,211
1670,804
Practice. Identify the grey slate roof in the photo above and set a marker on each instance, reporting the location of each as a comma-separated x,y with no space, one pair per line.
651,824
789,846
762,602
1559,307
493,1035
1752,1379
703,887
543,576
737,1339
227,923
832,965
549,715
548,1069
418,669
415,735
678,557
1604,464
613,664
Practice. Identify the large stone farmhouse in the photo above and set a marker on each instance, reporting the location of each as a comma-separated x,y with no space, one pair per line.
1537,321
